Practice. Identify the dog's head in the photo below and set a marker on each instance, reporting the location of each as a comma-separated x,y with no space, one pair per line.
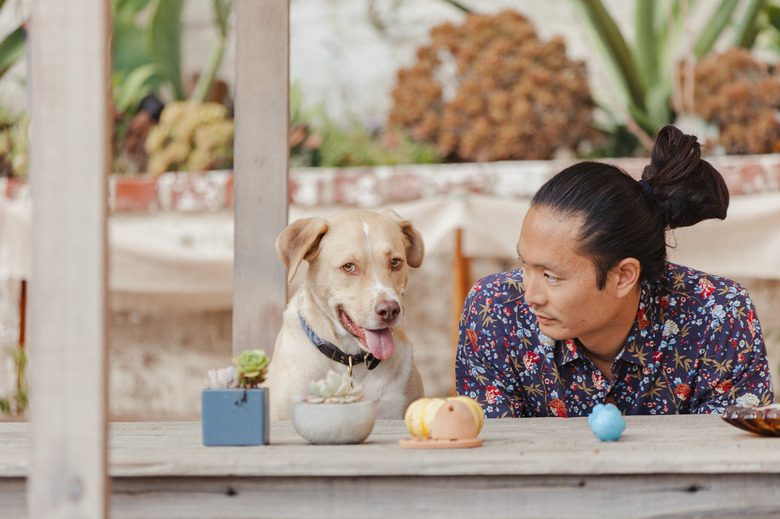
358,269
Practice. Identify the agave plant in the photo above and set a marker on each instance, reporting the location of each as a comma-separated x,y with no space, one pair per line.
334,389
643,70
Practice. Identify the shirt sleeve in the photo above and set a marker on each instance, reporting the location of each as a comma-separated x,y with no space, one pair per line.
480,369
735,366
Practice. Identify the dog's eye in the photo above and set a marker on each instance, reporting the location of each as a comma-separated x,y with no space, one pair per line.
396,263
349,268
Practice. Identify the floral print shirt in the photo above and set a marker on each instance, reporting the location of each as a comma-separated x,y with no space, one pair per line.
695,347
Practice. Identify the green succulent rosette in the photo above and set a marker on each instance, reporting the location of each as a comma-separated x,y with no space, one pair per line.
251,367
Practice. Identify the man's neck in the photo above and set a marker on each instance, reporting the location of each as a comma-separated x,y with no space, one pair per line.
603,347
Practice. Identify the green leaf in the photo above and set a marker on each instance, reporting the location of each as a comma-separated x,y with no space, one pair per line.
617,55
773,14
714,27
132,6
129,48
130,89
646,41
748,28
163,36
11,49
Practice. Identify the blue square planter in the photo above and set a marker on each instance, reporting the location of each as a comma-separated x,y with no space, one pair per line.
234,416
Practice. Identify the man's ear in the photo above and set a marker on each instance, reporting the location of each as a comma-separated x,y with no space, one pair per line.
627,272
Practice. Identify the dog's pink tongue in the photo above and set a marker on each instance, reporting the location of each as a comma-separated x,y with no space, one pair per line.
380,342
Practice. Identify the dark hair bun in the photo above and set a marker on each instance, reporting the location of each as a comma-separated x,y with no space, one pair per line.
686,187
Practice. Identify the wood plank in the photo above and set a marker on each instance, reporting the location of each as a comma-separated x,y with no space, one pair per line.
261,171
522,447
69,84
448,498
658,495
663,466
461,284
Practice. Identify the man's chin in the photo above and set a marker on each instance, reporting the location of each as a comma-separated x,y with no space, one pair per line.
553,332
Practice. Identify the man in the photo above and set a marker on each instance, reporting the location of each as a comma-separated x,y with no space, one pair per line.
597,315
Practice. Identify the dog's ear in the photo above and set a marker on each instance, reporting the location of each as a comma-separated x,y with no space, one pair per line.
300,241
415,248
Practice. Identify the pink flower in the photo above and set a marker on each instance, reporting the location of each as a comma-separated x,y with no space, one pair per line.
530,359
491,394
683,391
706,288
558,408
751,319
724,387
641,320
598,380
472,338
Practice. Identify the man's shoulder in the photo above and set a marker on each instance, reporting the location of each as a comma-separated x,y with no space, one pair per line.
680,277
509,283
698,286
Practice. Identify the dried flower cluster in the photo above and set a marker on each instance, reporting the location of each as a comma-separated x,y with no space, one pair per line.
191,136
489,89
741,96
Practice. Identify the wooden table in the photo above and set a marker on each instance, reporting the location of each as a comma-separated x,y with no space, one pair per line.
665,466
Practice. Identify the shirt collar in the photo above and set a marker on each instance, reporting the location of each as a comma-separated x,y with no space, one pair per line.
640,348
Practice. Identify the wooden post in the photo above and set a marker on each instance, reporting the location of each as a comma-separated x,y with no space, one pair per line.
460,289
261,161
70,158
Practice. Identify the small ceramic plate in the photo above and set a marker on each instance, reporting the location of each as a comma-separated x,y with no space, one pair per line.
760,420
429,443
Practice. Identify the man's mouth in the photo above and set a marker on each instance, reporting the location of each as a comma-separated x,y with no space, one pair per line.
541,319
379,342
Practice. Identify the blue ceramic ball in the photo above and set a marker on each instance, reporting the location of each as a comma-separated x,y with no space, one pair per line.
607,422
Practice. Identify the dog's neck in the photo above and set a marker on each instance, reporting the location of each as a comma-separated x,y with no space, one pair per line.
333,352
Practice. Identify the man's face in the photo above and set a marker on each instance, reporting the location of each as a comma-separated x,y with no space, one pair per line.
560,283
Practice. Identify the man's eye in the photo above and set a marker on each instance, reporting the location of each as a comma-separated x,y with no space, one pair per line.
349,268
551,278
396,263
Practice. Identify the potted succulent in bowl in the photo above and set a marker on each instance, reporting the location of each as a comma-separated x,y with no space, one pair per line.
234,407
334,412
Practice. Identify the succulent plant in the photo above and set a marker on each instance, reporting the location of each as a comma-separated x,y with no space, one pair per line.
489,89
224,378
251,368
334,389
191,136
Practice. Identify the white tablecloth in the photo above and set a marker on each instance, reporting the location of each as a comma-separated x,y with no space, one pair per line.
186,260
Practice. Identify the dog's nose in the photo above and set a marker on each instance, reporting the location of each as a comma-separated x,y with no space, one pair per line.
387,310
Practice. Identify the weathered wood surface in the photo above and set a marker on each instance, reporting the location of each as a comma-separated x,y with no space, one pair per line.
666,466
530,446
71,157
261,171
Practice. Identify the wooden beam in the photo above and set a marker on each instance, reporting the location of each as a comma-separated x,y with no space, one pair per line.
261,163
461,284
70,158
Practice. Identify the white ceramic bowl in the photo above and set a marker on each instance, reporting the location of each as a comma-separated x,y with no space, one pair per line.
334,423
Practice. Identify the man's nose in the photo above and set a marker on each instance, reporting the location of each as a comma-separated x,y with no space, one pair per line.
534,295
